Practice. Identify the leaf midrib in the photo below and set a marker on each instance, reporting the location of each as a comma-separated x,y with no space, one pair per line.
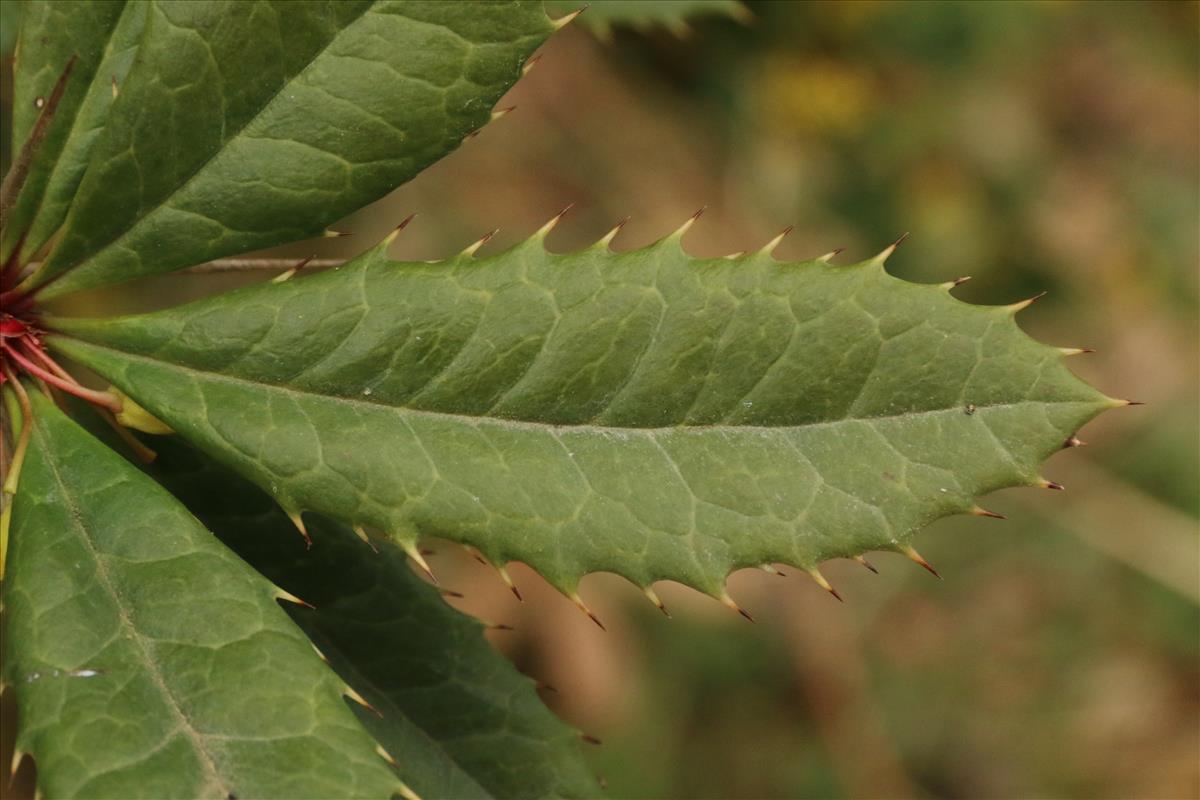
519,424
194,737
224,144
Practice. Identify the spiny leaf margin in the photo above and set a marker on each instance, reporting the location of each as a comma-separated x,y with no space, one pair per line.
644,413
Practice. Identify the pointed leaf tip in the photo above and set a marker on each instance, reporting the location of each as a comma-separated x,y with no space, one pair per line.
298,521
361,533
1047,484
530,64
1075,351
948,285
828,257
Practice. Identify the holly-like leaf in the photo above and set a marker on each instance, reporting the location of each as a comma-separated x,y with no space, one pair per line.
147,659
244,124
646,413
448,703
102,37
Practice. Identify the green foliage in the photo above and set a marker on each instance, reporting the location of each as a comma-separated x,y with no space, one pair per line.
150,661
447,702
644,413
244,125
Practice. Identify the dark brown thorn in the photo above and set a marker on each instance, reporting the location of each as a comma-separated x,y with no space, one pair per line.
451,593
508,581
578,601
500,626
863,560
587,737
1048,484
728,601
824,584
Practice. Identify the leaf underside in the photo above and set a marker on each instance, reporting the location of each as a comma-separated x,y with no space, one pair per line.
243,125
150,661
643,413
448,703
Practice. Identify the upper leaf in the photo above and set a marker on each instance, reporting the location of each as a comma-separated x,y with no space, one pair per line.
247,124
448,703
645,413
102,36
150,661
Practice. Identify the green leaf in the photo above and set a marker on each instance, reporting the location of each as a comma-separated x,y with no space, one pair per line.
646,413
604,15
150,661
102,36
448,702
247,124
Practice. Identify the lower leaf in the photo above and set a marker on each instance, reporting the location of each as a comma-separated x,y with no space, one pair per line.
147,659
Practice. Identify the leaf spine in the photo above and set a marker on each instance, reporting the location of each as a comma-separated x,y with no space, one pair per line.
544,231
653,597
564,21
863,560
1075,351
528,65
361,533
915,556
290,273
284,594
1074,441
298,521
500,112
979,511
411,549
391,237
728,601
473,248
578,601
386,756
508,581
686,226
823,583
830,255
772,569
406,792
1021,305
948,285
770,246
348,691
1043,483
606,240
881,258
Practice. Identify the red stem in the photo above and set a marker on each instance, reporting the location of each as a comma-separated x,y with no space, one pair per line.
70,387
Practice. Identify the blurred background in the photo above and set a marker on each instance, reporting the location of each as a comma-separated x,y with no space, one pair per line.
1032,145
